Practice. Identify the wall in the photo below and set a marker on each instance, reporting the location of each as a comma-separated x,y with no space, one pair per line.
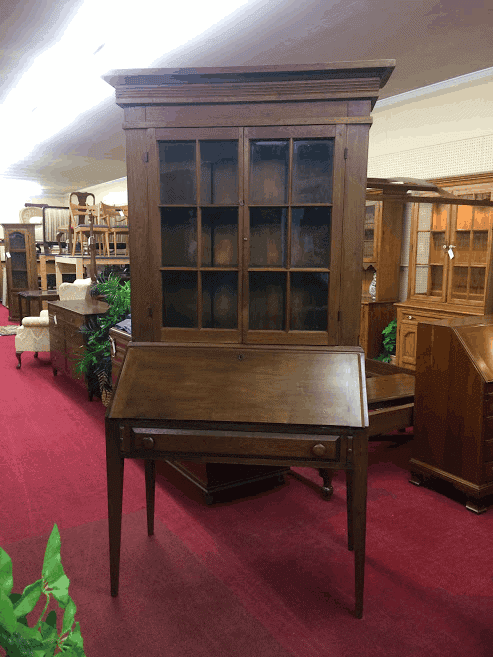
441,130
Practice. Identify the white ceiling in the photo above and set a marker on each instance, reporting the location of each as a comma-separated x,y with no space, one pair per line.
431,41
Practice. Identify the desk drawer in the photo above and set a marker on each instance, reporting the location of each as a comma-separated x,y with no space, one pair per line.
233,443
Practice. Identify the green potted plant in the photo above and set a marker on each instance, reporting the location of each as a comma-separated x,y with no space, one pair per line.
389,334
46,637
95,364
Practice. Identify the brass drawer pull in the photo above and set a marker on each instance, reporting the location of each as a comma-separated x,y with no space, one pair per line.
319,449
410,317
148,442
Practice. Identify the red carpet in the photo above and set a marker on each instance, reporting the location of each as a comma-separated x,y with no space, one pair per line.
268,574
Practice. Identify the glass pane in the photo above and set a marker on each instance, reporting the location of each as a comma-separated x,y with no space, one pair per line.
18,261
179,298
423,249
462,247
309,296
219,172
459,282
482,218
424,217
436,247
368,245
436,281
310,237
476,289
179,237
313,161
267,300
177,172
421,283
464,217
440,216
19,280
268,237
220,299
479,247
17,241
219,237
269,171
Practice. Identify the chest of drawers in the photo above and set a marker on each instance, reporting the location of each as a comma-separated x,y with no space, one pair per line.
66,339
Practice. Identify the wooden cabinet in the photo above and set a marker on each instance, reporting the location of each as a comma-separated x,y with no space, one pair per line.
247,190
20,262
66,339
381,257
453,417
450,266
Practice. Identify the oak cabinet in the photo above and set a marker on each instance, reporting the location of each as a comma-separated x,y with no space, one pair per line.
20,262
450,266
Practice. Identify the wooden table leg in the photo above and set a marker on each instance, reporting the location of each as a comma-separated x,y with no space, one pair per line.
359,488
349,504
150,476
114,470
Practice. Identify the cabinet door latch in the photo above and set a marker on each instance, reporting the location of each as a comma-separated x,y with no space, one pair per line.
149,311
346,153
145,157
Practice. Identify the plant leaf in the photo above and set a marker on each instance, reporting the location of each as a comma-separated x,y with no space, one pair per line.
51,618
75,638
52,564
68,616
60,590
7,616
6,578
29,598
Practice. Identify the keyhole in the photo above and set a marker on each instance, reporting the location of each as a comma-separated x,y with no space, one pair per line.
241,356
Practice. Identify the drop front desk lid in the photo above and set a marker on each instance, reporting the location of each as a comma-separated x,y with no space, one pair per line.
323,386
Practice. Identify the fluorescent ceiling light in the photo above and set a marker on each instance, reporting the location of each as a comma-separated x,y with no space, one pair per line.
65,80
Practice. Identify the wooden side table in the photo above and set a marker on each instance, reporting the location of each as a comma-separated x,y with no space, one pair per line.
36,295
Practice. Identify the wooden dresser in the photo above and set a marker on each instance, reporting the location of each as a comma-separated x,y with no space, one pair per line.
66,339
453,418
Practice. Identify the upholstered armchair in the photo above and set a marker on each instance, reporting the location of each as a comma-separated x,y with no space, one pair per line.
34,334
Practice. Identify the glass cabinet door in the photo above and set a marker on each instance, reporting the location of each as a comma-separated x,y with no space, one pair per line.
199,212
470,246
288,222
431,251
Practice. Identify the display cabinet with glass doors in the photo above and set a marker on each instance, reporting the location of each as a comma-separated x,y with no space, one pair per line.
246,190
20,262
450,266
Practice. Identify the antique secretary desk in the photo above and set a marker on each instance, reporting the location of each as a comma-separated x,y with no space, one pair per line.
246,205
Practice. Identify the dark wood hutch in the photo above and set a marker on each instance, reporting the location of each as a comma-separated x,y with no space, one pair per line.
246,203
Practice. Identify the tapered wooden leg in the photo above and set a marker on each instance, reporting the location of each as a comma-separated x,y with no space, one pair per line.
349,504
359,491
114,470
18,354
35,354
327,475
150,475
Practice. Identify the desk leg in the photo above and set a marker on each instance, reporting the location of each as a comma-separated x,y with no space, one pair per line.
150,476
114,470
359,488
349,504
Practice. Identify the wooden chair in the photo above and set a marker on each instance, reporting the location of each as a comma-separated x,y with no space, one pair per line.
117,218
68,231
84,219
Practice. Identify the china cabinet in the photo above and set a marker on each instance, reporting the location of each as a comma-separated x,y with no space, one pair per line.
450,265
20,262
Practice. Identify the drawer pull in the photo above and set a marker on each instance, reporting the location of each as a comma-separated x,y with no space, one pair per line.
410,317
148,442
319,449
